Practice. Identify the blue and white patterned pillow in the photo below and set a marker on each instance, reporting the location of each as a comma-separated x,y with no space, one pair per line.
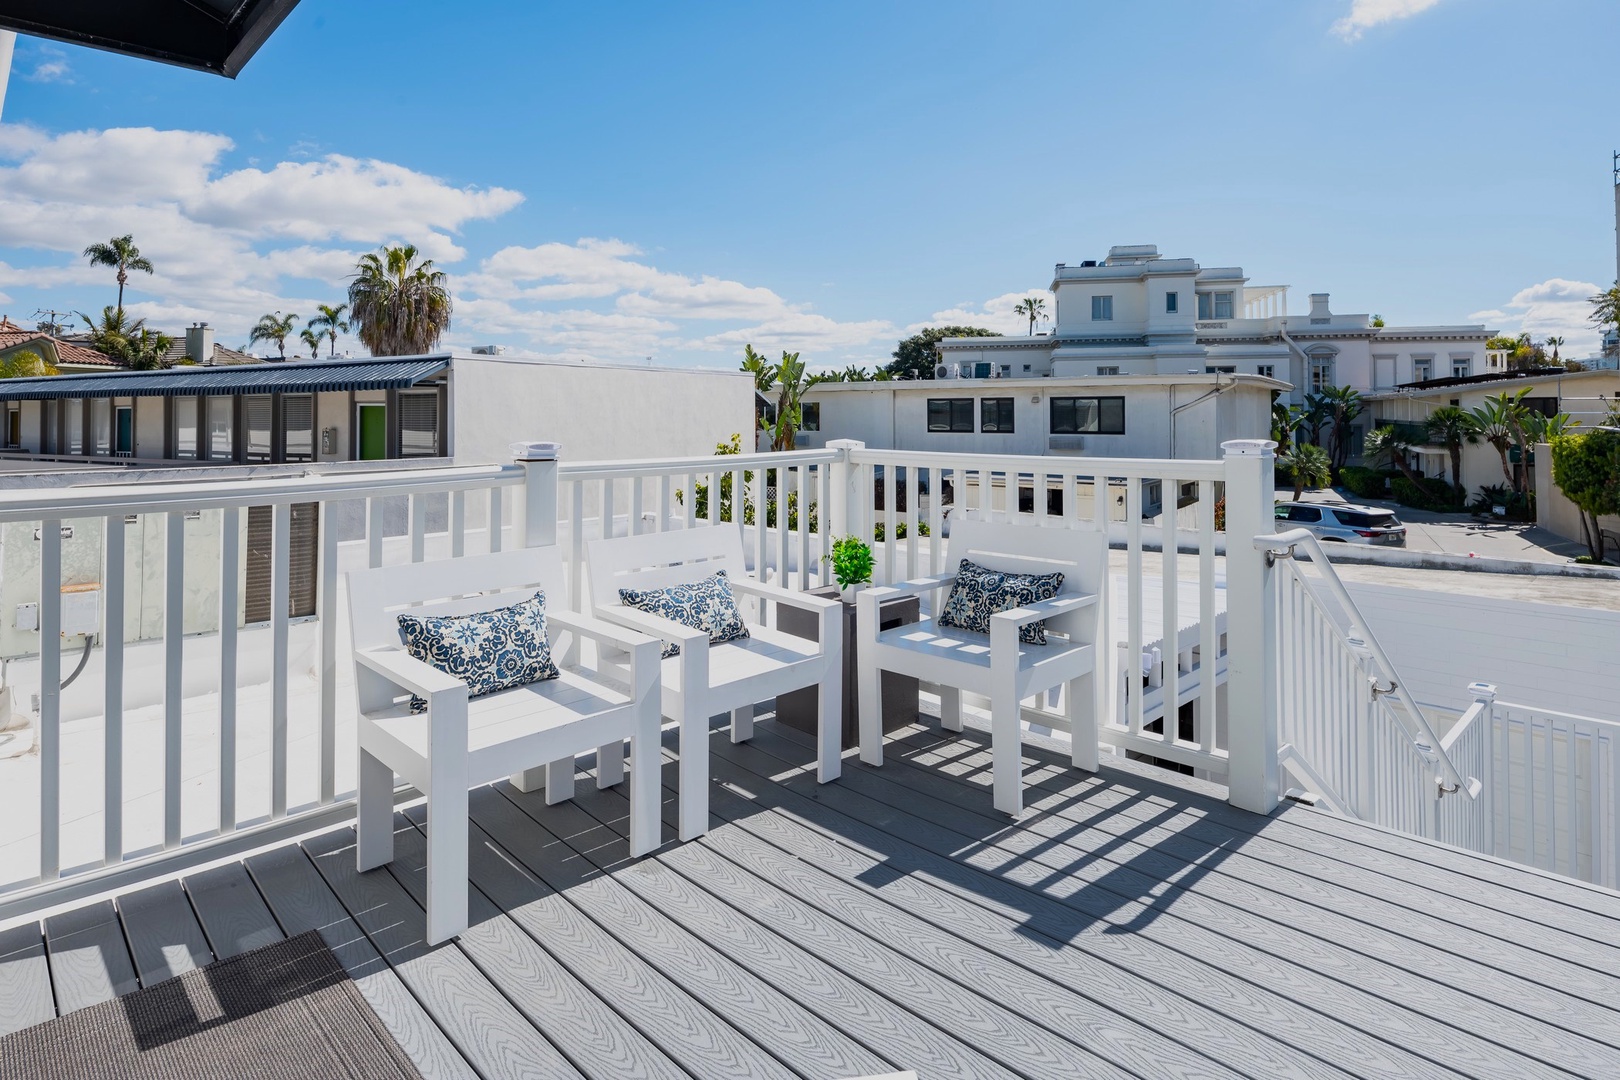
487,650
980,592
703,605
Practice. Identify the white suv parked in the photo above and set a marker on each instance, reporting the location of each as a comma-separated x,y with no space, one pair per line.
1344,523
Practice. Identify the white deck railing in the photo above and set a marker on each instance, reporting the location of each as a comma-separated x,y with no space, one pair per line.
1350,729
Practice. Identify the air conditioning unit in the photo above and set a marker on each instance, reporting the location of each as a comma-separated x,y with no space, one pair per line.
943,371
1071,444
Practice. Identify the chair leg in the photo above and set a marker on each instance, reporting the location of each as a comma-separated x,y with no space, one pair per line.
830,727
446,847
1082,716
374,814
869,711
1006,749
646,784
559,781
742,724
610,764
694,772
530,780
950,708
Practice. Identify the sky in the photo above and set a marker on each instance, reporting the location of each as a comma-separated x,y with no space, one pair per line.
619,181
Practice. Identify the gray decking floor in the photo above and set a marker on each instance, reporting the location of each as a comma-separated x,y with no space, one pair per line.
1131,925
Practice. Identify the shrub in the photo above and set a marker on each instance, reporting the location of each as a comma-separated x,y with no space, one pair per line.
1490,496
1365,482
1433,494
900,531
851,560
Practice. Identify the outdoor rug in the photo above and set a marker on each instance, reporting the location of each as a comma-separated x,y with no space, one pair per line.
287,1011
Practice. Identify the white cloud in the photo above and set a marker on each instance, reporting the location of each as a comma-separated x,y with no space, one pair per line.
50,65
1366,14
1555,307
994,314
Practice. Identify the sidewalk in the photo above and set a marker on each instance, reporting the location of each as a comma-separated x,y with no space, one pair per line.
1463,534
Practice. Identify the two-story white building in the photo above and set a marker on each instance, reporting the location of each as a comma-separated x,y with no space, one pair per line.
1137,313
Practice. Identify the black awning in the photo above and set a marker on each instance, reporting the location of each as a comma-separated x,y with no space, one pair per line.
314,376
210,35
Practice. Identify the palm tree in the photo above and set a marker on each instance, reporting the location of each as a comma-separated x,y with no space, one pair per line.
1606,308
113,332
277,328
1555,342
330,322
397,305
1034,307
1285,422
1451,427
1343,406
763,371
148,350
1388,443
1308,465
311,337
1317,412
121,252
1498,421
791,383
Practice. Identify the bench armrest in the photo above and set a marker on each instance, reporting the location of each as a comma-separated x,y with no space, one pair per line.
655,626
1043,609
914,587
803,601
601,631
407,672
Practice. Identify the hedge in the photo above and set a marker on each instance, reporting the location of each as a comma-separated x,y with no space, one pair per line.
1435,494
1368,483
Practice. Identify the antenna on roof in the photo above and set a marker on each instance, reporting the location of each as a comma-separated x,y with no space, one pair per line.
51,327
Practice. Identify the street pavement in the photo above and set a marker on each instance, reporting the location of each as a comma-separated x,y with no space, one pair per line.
1464,534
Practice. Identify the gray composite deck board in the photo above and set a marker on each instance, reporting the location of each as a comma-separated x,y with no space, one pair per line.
1312,857
232,913
1325,963
1006,1035
803,1042
703,1044
164,936
301,901
591,1034
25,979
497,1039
1503,998
89,958
1302,1000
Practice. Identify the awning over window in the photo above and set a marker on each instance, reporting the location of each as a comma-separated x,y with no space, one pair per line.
210,35
309,377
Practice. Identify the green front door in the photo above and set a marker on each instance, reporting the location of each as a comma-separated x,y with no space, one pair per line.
373,432
124,436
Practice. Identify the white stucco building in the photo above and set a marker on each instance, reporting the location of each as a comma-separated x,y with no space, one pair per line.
1138,313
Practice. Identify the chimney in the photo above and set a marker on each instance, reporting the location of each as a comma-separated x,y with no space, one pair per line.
1319,308
200,343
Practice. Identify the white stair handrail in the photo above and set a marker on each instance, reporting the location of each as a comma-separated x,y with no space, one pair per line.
1416,723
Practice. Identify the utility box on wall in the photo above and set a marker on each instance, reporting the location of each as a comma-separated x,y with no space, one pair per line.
81,610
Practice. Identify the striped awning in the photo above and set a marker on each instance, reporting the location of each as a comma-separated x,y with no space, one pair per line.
302,377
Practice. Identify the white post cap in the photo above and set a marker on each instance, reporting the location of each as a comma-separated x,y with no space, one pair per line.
1248,447
535,451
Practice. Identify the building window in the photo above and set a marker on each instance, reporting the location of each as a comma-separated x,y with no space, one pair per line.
303,562
1109,369
1267,371
996,414
1220,369
256,420
298,427
1321,376
1006,370
1215,305
1172,303
221,444
1422,369
101,425
14,425
1462,367
810,416
1088,416
419,424
73,425
950,414
1102,308
185,428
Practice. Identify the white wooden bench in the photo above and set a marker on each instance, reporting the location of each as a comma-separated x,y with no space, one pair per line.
456,743
998,665
705,680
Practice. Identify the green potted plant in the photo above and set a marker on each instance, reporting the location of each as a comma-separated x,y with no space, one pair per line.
851,560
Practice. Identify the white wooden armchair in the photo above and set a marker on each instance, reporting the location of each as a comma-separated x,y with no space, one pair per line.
457,743
730,677
998,665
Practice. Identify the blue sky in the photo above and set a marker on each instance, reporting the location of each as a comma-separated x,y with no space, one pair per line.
617,181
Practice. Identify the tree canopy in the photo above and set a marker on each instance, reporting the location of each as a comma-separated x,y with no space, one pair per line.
399,306
918,355
1586,468
25,364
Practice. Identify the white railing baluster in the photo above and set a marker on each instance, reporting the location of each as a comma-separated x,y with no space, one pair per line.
807,498
1169,580
326,597
230,539
576,546
690,499
374,533
1209,660
636,524
418,526
280,596
1133,603
890,494
112,714
174,639
606,514
936,521
911,520
50,699
739,506
784,535
458,524
1070,510
666,512
496,524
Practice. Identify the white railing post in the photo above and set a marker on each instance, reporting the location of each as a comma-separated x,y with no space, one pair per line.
1484,694
539,461
842,514
1251,628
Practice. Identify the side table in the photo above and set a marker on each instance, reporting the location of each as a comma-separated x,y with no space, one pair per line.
899,696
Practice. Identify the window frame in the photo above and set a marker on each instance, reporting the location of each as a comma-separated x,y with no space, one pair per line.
1172,303
1073,425
1462,367
810,416
1427,364
1102,308
1004,407
414,396
1266,371
956,409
